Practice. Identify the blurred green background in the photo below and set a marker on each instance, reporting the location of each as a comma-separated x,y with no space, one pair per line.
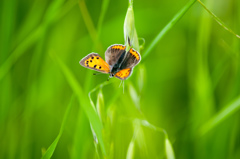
188,85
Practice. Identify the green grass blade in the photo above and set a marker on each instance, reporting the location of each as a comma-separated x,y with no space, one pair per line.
97,43
88,20
48,154
81,136
83,100
51,14
222,115
219,21
19,51
169,149
130,150
105,4
160,35
7,25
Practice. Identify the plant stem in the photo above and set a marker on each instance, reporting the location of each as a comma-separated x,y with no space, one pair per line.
218,20
175,19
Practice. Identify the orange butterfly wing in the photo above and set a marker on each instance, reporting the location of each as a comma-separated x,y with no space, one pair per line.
95,62
123,74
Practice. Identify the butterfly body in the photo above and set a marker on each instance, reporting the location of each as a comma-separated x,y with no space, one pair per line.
119,63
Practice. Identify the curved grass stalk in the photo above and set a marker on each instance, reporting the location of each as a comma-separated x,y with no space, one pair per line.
168,146
219,21
94,89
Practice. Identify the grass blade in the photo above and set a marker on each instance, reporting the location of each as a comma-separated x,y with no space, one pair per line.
48,154
160,35
7,26
104,7
51,16
19,51
219,21
88,20
130,151
222,115
89,110
100,106
169,149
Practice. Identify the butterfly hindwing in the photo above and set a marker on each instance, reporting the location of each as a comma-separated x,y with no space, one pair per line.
124,74
95,62
113,53
132,59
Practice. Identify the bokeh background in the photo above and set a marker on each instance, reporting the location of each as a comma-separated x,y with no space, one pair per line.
188,85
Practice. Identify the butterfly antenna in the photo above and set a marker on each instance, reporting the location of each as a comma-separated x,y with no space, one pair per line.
97,73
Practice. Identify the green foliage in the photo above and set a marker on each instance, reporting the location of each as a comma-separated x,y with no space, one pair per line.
182,100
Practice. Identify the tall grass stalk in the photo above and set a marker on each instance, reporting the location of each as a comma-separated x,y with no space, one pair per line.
88,20
172,22
82,97
227,111
48,154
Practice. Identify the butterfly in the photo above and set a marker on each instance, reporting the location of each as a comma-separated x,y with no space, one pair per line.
118,63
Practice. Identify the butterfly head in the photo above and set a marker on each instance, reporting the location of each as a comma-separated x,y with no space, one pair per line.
112,75
114,70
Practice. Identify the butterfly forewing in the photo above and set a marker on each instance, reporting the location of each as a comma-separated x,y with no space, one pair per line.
113,53
95,62
124,74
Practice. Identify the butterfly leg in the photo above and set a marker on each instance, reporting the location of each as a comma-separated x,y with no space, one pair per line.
97,73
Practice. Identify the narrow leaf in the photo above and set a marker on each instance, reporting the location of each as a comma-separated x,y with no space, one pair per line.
83,100
160,35
219,21
169,149
222,115
48,154
130,151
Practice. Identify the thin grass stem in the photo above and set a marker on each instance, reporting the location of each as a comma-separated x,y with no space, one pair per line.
219,117
82,97
48,154
88,20
219,21
160,35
